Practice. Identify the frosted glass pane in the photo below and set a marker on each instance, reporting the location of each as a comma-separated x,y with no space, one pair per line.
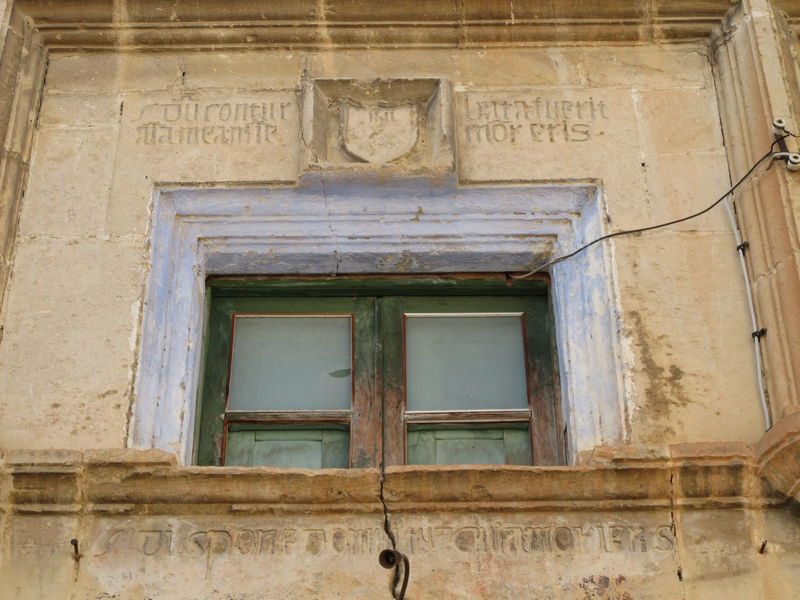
291,363
465,363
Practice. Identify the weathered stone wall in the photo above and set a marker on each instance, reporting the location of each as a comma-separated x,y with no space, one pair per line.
132,130
640,121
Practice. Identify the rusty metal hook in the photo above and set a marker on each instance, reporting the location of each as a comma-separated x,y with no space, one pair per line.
390,559
76,555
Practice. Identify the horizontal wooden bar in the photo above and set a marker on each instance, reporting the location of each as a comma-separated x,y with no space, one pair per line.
278,416
471,416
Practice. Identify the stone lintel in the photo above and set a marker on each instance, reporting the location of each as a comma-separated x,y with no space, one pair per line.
104,23
151,482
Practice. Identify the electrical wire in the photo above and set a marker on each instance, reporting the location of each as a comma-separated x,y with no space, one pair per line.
753,322
767,157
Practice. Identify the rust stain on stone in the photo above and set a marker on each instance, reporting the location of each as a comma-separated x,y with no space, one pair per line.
602,587
665,383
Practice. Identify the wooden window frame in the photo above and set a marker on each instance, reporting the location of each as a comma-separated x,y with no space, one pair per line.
378,421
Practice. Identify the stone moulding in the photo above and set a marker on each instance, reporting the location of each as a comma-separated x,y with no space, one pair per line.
151,482
779,452
341,224
108,23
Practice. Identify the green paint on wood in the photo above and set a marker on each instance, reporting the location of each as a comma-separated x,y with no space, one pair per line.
377,306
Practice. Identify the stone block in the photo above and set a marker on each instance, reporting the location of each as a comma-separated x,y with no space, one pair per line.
15,170
474,488
586,555
37,560
775,297
772,228
68,190
29,88
487,67
718,554
397,125
78,72
679,120
780,556
140,483
209,137
621,455
45,459
725,480
645,67
68,345
682,394
44,480
11,61
210,556
242,70
544,134
114,72
126,456
778,456
711,451
80,110
679,185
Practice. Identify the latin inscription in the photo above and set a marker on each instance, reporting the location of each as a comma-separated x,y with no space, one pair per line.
525,118
499,538
190,122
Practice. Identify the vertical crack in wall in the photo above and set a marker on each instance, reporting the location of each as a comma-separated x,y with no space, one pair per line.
387,527
336,254
75,550
673,525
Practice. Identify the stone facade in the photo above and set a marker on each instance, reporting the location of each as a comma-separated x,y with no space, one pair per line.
150,145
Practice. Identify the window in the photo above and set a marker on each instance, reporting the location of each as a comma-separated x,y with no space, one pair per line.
323,373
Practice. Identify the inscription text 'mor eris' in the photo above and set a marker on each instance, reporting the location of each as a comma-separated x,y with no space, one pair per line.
208,123
490,119
499,538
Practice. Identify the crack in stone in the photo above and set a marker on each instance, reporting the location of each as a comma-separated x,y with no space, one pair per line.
387,528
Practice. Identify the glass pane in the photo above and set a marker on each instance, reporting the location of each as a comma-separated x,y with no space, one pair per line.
465,362
291,363
469,446
291,448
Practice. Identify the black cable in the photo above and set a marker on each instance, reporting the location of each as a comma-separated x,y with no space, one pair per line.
608,236
779,139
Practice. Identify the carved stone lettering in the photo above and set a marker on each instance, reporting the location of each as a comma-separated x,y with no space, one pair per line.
500,538
536,118
207,123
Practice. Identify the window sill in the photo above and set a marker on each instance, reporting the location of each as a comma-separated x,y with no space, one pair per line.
151,482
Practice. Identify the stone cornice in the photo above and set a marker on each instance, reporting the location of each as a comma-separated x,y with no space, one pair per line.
150,483
70,24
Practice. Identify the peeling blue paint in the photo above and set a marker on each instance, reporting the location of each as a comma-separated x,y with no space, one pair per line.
345,224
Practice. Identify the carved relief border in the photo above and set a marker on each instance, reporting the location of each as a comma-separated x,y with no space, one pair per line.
752,91
337,225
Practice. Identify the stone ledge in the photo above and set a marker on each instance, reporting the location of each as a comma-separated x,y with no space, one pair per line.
151,482
405,23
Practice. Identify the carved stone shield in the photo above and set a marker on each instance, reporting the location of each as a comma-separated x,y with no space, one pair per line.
378,134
